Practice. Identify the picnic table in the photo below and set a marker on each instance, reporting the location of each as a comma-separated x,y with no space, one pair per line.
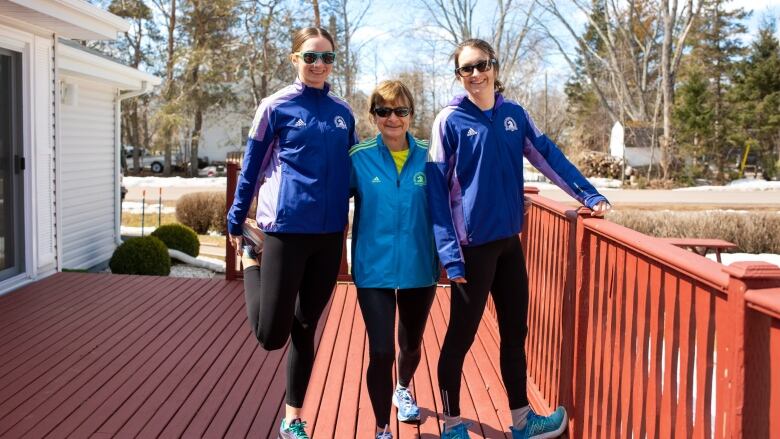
702,245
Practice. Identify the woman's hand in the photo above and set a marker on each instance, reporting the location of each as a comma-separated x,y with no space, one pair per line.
237,242
601,209
459,280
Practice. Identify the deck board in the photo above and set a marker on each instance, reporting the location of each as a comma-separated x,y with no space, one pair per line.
95,355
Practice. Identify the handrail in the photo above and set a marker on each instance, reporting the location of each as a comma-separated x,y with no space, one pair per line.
766,301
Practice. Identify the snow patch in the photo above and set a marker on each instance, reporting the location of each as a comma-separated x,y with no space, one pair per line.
167,182
730,258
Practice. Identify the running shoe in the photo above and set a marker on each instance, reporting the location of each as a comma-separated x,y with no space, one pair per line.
460,431
253,238
384,434
407,407
542,427
293,431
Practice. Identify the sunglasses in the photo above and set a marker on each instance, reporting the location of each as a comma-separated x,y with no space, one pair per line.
482,66
385,111
312,57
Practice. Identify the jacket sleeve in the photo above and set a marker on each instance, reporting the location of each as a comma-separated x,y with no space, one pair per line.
550,161
439,172
256,157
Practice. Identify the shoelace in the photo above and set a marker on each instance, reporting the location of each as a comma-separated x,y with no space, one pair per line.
406,400
384,434
537,423
298,428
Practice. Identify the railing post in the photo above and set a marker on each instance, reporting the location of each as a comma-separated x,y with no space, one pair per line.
743,276
230,253
580,257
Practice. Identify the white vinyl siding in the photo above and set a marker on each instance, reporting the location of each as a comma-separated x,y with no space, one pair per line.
43,153
87,175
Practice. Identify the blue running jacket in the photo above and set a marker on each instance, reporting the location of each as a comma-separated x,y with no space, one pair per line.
475,175
392,234
297,162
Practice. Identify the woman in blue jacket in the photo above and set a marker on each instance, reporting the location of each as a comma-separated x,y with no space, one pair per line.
393,254
475,190
297,164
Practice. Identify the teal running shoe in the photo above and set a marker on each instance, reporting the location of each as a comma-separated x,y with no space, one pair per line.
296,430
460,431
542,427
407,407
384,434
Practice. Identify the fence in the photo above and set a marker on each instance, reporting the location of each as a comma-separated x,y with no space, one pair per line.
638,338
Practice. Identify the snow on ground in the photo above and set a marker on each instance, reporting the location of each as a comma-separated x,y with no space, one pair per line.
730,258
601,183
741,185
135,207
164,182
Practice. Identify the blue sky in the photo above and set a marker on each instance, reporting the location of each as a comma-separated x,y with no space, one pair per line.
388,45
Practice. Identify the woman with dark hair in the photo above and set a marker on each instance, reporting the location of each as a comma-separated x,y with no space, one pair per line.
475,190
297,164
394,260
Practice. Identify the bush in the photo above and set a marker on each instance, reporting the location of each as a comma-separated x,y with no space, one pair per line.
752,232
204,211
147,255
179,237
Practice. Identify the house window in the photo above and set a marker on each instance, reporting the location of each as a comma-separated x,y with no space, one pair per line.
11,165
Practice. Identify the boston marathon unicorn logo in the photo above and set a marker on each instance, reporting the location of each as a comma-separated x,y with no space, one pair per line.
510,124
419,179
339,121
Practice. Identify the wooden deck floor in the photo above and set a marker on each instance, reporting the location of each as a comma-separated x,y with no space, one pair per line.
98,355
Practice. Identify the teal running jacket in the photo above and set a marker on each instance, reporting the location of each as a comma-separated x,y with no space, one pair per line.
392,232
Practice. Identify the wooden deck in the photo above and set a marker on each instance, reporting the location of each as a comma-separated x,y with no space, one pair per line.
98,355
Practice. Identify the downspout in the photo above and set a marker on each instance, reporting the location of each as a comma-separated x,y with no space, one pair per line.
145,88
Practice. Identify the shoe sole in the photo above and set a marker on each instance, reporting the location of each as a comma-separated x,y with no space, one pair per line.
401,418
559,431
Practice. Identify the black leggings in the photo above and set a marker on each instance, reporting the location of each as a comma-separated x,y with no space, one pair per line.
298,273
497,267
378,307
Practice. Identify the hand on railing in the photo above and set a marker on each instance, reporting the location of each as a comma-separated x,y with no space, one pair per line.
459,280
601,209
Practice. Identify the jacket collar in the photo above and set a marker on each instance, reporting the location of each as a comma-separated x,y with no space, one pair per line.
300,86
464,102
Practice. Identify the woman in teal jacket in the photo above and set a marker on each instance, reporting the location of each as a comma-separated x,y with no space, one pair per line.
393,253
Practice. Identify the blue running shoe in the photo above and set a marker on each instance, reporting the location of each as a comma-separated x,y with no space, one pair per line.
384,434
460,431
542,427
407,407
296,430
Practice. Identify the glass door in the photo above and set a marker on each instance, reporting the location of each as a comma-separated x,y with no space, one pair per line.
11,166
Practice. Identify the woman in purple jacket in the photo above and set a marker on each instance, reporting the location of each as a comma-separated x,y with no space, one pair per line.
297,164
475,192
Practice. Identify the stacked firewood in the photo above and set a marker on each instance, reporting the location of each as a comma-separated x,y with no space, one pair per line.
599,164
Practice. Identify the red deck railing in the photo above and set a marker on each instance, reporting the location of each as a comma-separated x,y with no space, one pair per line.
636,337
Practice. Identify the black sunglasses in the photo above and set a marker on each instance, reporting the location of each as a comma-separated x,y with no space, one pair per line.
312,57
482,66
385,111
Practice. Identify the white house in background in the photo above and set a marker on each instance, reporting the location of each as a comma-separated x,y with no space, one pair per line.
59,138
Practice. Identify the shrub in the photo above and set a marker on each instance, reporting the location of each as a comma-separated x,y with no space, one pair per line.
147,255
204,211
179,237
752,232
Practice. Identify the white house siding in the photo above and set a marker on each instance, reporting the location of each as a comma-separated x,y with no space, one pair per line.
43,152
87,174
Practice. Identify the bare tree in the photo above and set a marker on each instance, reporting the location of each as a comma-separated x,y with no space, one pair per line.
315,4
343,25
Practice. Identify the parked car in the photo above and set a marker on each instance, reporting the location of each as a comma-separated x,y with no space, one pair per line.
155,163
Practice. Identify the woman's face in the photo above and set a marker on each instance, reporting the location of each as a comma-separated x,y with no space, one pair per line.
479,82
393,126
315,74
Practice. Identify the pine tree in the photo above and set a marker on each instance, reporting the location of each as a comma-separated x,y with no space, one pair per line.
694,115
756,97
716,49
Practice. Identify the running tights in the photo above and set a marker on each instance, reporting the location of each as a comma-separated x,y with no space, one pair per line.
378,307
497,267
298,273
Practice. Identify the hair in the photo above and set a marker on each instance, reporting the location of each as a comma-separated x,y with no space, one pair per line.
304,34
485,47
389,91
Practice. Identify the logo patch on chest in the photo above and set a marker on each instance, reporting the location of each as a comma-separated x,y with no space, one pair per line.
419,179
510,124
300,123
339,122
471,132
376,180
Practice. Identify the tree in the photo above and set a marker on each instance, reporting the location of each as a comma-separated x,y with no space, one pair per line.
210,64
756,97
715,51
343,24
694,116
